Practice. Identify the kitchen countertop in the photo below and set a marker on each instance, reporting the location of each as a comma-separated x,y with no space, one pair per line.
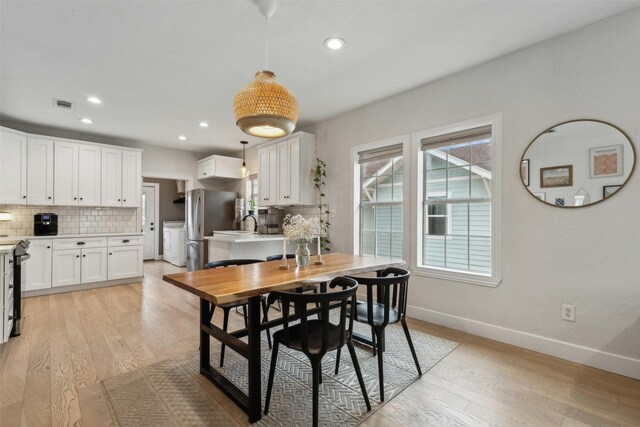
237,237
79,236
4,249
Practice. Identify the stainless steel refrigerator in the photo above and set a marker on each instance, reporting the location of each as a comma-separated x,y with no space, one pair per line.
206,211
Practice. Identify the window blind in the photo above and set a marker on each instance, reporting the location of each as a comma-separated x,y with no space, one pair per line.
455,138
382,153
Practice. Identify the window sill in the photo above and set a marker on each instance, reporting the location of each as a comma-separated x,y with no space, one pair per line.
456,276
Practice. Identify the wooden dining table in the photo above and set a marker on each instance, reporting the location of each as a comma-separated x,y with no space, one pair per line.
248,282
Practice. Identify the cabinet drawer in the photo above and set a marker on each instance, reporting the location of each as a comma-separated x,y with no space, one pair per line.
7,263
8,299
8,322
8,286
79,243
125,241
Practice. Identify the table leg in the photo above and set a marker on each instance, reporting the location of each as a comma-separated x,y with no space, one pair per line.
205,339
255,372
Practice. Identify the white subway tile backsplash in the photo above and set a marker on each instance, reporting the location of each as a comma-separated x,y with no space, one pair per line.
72,220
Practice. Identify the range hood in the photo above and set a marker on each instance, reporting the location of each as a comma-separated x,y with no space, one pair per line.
180,186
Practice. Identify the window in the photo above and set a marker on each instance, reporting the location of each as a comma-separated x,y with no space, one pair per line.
458,203
251,191
380,173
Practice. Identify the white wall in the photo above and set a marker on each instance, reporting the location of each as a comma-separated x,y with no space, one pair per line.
589,257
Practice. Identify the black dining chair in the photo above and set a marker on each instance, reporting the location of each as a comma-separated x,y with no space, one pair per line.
305,288
278,257
316,337
390,307
226,308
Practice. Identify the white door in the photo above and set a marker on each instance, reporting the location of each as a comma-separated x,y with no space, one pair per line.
131,178
125,262
66,267
65,172
149,224
283,173
89,171
94,265
13,168
38,267
111,177
40,172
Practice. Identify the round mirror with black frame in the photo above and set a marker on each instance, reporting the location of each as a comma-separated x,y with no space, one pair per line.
577,163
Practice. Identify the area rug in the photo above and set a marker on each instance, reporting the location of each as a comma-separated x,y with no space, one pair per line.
173,393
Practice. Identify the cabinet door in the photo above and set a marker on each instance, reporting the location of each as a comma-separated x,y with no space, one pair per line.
206,169
283,173
65,181
268,182
66,267
13,168
125,262
94,265
111,177
131,178
293,150
38,267
89,167
263,181
40,172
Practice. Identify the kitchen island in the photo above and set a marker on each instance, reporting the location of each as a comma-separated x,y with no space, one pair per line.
241,245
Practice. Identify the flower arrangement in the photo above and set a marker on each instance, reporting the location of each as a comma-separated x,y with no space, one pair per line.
298,228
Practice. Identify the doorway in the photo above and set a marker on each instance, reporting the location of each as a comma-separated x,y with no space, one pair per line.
150,220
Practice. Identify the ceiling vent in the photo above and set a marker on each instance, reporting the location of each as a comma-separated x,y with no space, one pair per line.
65,105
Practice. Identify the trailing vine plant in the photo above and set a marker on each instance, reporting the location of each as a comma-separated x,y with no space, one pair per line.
320,174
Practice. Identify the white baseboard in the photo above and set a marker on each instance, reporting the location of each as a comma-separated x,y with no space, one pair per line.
81,287
584,355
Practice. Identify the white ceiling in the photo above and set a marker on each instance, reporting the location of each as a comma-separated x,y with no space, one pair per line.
162,66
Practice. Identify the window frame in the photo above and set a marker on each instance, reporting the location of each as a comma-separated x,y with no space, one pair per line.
406,180
495,278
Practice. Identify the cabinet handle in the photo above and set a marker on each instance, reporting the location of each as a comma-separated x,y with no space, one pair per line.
48,247
24,197
81,243
49,197
10,318
127,240
80,198
124,200
11,286
84,256
10,261
118,199
77,256
75,198
204,173
110,253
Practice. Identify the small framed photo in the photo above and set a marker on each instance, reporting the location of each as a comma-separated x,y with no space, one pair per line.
524,172
541,196
556,176
559,201
606,161
608,190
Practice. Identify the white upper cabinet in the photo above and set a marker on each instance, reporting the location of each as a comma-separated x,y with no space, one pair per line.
286,171
131,179
13,168
268,182
219,168
111,177
206,168
65,188
40,171
89,173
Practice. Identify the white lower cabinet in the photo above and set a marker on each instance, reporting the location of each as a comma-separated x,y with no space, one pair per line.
125,262
38,267
66,267
94,265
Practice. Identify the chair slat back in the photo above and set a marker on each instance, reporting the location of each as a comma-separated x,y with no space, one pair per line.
231,263
391,288
301,302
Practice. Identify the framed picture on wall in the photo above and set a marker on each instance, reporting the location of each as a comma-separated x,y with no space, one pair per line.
556,176
608,190
524,172
541,196
606,161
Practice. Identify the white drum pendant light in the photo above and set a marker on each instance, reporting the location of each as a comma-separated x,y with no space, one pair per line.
264,107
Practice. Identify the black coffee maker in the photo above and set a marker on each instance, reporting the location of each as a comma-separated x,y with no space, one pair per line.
45,224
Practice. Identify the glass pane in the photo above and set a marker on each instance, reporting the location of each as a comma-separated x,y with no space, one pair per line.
383,244
368,243
368,190
396,218
433,252
481,180
383,218
456,252
436,226
373,168
397,187
384,191
480,219
459,154
435,182
398,165
480,254
368,218
481,151
459,220
396,245
458,178
435,159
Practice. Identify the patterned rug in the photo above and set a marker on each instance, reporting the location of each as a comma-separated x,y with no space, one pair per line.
173,393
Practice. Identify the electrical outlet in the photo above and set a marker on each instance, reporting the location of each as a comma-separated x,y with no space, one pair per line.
568,312
332,213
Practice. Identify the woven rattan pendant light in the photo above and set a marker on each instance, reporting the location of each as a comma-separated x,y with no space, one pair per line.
264,107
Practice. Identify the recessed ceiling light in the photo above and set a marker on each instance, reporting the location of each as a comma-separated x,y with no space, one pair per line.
86,120
203,124
94,100
182,138
334,43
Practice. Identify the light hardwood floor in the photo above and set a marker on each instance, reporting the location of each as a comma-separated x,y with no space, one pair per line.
50,374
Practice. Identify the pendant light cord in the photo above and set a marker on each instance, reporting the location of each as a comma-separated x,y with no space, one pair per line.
266,42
